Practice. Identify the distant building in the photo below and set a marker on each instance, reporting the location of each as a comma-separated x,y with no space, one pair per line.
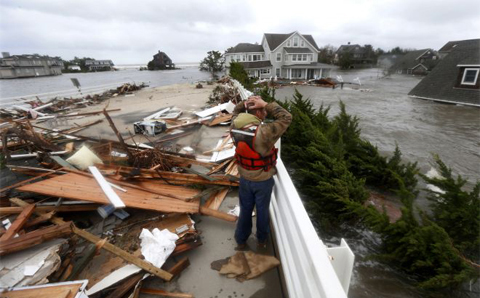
25,66
74,67
455,79
419,62
357,54
386,61
161,61
289,56
99,65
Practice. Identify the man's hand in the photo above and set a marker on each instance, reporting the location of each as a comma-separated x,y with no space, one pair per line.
255,102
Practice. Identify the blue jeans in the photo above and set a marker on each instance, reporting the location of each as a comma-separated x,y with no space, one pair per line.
253,193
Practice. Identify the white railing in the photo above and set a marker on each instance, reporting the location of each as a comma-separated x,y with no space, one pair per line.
310,269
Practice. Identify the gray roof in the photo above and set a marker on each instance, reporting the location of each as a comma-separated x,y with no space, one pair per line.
275,39
440,83
408,61
447,48
297,50
246,48
256,64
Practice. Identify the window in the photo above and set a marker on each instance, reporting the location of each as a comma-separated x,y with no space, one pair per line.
295,41
470,76
304,57
265,71
288,43
294,57
302,43
279,56
296,73
277,72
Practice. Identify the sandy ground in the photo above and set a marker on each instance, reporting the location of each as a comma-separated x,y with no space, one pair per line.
217,235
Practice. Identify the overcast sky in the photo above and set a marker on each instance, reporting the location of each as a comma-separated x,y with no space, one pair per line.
130,32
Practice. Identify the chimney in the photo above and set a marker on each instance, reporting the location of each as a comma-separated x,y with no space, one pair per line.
5,54
348,43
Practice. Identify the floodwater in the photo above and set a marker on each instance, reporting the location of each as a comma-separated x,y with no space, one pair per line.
420,128
387,117
47,87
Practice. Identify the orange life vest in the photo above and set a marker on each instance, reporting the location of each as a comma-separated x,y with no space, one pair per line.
245,153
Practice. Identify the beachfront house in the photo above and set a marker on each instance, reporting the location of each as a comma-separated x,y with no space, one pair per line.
161,61
25,66
99,65
419,62
455,79
357,55
290,56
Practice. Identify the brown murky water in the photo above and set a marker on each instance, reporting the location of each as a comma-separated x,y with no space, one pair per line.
420,128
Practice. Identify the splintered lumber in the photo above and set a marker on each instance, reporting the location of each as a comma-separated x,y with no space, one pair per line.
219,119
177,178
107,189
123,254
179,266
218,167
18,223
216,199
26,181
107,246
217,214
119,136
69,208
60,290
165,293
126,285
79,187
36,237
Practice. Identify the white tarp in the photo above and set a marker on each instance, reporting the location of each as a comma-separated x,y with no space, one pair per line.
157,245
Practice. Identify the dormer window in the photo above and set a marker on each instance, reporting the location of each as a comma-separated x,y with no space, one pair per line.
288,43
302,43
470,76
295,41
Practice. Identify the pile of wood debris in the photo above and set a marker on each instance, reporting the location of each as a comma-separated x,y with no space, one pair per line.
57,107
72,224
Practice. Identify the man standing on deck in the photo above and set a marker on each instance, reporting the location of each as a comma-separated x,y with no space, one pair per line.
256,157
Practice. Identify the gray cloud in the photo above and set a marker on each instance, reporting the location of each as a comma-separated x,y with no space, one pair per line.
132,31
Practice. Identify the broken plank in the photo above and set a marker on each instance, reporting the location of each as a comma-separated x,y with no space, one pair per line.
18,223
218,199
217,214
165,293
34,238
79,187
108,247
70,208
179,266
126,285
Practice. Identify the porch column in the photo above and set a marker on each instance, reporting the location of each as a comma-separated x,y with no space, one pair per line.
321,73
289,73
306,72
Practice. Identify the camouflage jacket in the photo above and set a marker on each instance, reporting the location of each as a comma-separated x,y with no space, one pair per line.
267,135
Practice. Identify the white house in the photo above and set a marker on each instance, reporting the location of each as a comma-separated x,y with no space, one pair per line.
290,56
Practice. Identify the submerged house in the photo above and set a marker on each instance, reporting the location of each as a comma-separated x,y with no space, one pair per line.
25,66
455,79
289,56
386,61
161,61
419,62
357,54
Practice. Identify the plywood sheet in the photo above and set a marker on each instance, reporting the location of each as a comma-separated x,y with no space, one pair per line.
79,187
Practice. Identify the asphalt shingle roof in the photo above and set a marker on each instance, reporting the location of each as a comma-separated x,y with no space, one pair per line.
275,39
246,48
440,83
